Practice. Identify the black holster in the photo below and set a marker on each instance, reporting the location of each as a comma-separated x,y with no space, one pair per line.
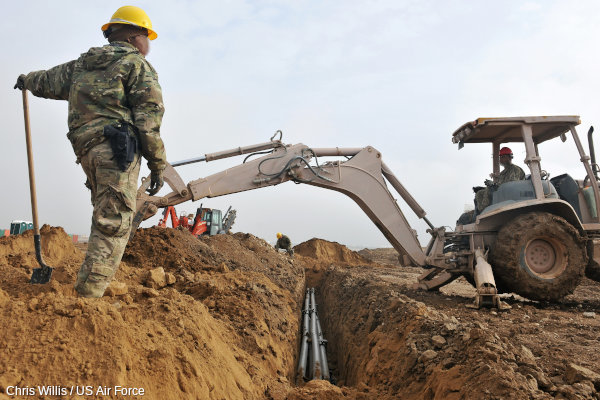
123,143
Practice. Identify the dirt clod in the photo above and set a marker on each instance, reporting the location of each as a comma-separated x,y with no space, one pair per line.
156,278
116,288
438,341
576,373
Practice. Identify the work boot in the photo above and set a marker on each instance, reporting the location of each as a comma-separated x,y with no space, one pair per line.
78,285
81,278
82,275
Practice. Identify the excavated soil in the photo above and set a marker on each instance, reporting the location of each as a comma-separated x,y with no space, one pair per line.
400,343
381,256
218,318
330,252
220,322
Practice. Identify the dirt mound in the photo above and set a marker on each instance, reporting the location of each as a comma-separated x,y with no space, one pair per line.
183,254
17,260
225,327
317,255
167,248
330,252
388,256
19,250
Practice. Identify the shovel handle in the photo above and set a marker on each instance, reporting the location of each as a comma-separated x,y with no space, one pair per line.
32,192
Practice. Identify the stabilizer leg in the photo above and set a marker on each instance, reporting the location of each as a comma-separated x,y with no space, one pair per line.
487,294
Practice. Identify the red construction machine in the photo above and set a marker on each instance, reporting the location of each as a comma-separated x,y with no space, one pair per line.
207,221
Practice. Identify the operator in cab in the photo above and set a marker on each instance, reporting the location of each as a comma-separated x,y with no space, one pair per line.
511,172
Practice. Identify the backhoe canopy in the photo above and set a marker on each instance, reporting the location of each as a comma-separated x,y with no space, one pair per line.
506,130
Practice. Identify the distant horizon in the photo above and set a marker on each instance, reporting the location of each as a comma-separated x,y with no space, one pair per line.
271,242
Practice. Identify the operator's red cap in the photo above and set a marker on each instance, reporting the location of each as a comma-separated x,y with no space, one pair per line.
505,151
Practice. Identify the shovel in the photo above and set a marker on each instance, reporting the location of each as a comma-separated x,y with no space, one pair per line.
43,274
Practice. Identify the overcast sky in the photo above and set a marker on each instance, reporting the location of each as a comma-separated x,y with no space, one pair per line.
398,75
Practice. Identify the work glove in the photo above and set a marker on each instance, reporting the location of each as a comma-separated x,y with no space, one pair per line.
156,182
20,82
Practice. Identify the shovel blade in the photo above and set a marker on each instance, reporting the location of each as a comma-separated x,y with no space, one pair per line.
41,275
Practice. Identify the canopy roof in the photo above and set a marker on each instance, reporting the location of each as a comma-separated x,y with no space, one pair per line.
505,130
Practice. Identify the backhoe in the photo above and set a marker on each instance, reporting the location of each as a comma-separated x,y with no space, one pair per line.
537,237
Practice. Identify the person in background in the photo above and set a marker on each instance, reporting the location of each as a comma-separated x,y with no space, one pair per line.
284,242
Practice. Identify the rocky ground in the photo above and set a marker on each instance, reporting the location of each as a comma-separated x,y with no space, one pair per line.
409,344
218,318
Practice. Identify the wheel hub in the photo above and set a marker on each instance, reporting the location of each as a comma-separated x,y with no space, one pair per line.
540,256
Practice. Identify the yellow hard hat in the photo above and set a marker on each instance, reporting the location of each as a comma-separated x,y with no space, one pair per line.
132,15
279,235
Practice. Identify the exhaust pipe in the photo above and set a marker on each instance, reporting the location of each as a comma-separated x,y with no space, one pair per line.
595,167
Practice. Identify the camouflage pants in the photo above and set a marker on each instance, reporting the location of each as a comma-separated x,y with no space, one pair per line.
483,199
113,198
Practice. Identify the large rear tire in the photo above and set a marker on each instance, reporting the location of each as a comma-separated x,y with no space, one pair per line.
539,256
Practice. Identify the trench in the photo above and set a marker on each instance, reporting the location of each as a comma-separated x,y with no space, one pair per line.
332,347
340,346
385,344
344,340
342,343
372,334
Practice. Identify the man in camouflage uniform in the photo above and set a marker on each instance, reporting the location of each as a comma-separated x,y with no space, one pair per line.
116,86
510,173
284,243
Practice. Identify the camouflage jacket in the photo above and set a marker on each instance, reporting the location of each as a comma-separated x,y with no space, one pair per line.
283,242
511,173
104,86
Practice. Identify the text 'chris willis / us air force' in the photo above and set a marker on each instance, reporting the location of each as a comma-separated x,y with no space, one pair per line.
73,390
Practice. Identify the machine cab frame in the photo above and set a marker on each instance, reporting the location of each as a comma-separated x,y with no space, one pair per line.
531,131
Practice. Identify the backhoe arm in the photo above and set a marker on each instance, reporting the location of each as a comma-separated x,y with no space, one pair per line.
361,178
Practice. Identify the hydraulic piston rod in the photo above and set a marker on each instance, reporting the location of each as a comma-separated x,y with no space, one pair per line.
229,153
412,203
336,151
188,161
